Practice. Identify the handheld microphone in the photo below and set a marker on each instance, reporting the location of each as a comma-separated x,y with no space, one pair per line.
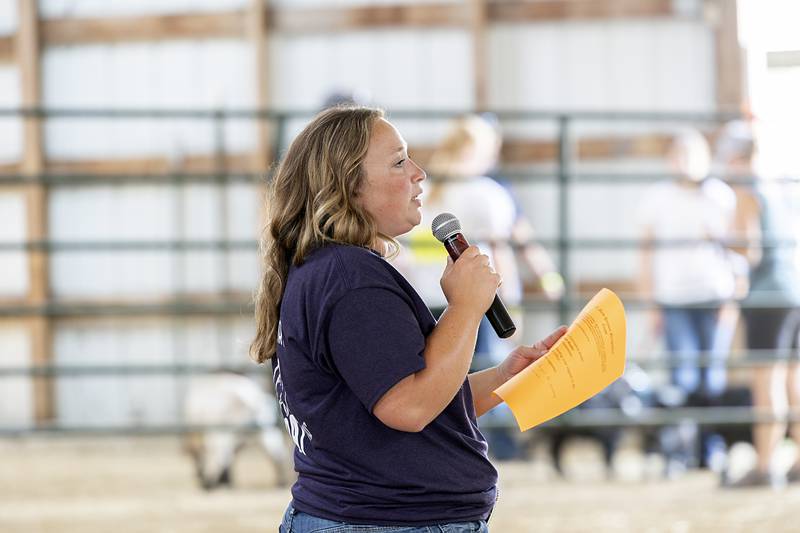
447,229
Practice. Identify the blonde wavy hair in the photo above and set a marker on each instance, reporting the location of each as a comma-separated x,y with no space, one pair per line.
311,202
469,149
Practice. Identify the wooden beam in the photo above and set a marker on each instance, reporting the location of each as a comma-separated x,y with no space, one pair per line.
38,272
232,303
306,20
234,24
145,28
42,354
237,23
153,165
7,54
10,167
514,151
257,35
652,145
479,20
521,151
264,152
731,84
618,285
621,286
40,331
526,151
32,157
27,55
12,301
548,10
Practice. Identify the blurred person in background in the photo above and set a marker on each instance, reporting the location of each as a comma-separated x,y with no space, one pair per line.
460,185
376,393
346,97
687,272
771,309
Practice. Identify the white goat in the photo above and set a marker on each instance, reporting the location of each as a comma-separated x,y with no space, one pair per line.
238,402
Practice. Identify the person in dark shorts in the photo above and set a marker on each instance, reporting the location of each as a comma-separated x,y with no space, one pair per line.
771,309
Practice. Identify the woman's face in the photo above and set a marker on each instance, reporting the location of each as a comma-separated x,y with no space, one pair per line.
391,190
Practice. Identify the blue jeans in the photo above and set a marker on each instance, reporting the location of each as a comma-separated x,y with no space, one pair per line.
295,521
690,332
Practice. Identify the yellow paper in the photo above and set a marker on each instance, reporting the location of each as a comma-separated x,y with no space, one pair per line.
587,359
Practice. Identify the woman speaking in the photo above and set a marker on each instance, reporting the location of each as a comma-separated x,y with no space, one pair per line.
374,392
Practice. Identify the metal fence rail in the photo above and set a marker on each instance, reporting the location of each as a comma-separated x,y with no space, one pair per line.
565,177
577,418
645,361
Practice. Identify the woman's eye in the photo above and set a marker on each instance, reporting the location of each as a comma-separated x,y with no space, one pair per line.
400,163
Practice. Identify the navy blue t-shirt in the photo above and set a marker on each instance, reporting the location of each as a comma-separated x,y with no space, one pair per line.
350,328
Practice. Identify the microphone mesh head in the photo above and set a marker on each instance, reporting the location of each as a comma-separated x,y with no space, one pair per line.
445,225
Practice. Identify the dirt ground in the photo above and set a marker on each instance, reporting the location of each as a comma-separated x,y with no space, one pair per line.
146,485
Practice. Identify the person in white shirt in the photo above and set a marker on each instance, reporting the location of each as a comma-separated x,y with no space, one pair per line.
490,219
687,271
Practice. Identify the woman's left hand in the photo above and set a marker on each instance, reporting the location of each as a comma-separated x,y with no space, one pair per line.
523,356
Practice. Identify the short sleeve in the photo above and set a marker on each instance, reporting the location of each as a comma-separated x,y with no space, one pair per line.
488,213
649,205
721,193
503,213
375,341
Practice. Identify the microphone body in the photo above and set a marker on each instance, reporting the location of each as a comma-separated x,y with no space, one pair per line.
497,313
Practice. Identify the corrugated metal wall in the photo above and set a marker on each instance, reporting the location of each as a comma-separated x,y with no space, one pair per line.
654,65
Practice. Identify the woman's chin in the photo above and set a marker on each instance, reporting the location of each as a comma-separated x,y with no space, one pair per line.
408,228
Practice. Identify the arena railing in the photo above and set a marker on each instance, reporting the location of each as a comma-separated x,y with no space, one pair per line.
563,176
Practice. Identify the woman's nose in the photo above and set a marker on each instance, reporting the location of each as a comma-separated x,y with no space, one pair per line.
420,175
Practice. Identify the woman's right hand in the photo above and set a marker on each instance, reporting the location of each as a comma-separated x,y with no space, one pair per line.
471,281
